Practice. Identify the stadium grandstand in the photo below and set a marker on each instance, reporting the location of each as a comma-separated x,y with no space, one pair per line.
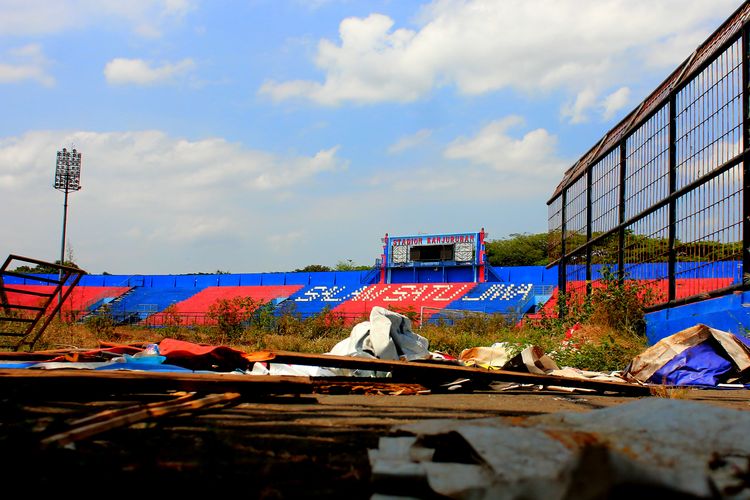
431,277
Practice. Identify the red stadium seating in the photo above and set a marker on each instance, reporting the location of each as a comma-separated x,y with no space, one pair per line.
198,305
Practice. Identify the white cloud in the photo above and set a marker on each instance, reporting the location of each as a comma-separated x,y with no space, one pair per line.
481,46
155,158
295,169
372,64
42,17
528,156
147,193
588,100
500,165
122,71
410,141
284,241
577,109
154,203
26,63
615,101
177,7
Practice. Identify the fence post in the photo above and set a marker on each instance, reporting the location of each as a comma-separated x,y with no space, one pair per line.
745,167
672,230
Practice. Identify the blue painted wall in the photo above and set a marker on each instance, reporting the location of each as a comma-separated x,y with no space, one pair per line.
730,313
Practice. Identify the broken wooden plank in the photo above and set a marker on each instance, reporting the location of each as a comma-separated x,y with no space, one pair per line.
111,413
138,414
432,373
62,382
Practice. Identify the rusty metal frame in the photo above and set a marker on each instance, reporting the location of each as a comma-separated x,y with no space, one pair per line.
716,58
70,277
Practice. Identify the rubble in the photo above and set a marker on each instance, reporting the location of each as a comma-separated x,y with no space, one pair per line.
669,447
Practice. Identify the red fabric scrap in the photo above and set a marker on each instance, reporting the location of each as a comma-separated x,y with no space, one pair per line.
202,357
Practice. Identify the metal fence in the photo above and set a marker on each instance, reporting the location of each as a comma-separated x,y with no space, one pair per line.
660,199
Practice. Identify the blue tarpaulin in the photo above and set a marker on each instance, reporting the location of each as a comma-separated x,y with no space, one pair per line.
700,364
696,356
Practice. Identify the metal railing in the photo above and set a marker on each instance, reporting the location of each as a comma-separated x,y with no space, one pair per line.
668,185
23,322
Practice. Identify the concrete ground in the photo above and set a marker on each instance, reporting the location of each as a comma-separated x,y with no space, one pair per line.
265,447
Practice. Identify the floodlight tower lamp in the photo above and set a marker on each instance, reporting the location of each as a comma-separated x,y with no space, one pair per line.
67,180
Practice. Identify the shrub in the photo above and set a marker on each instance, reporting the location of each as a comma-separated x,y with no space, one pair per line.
101,323
231,315
620,304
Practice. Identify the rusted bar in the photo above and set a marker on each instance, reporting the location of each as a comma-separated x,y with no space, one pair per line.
78,275
11,319
32,277
12,334
25,292
25,308
13,257
745,49
3,296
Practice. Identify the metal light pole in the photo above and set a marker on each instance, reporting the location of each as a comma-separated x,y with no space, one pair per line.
67,179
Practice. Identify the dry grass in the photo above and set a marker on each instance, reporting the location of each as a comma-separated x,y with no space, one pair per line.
669,392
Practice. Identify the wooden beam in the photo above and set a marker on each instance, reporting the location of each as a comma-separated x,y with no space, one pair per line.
138,414
46,383
431,373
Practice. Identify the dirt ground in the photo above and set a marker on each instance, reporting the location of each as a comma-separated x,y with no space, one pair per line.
285,446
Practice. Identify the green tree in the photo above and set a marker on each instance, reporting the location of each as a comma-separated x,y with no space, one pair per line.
43,268
313,268
518,250
349,265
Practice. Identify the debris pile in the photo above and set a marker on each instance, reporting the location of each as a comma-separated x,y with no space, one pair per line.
386,350
670,447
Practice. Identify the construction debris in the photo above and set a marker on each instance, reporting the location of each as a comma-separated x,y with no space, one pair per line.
381,349
437,373
387,335
666,447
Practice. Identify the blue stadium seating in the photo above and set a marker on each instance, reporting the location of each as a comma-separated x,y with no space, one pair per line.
141,302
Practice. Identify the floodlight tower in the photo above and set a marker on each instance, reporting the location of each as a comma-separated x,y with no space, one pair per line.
67,179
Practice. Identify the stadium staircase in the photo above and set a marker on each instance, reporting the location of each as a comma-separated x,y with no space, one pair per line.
492,275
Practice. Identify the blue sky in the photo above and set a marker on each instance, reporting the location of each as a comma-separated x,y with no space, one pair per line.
265,135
